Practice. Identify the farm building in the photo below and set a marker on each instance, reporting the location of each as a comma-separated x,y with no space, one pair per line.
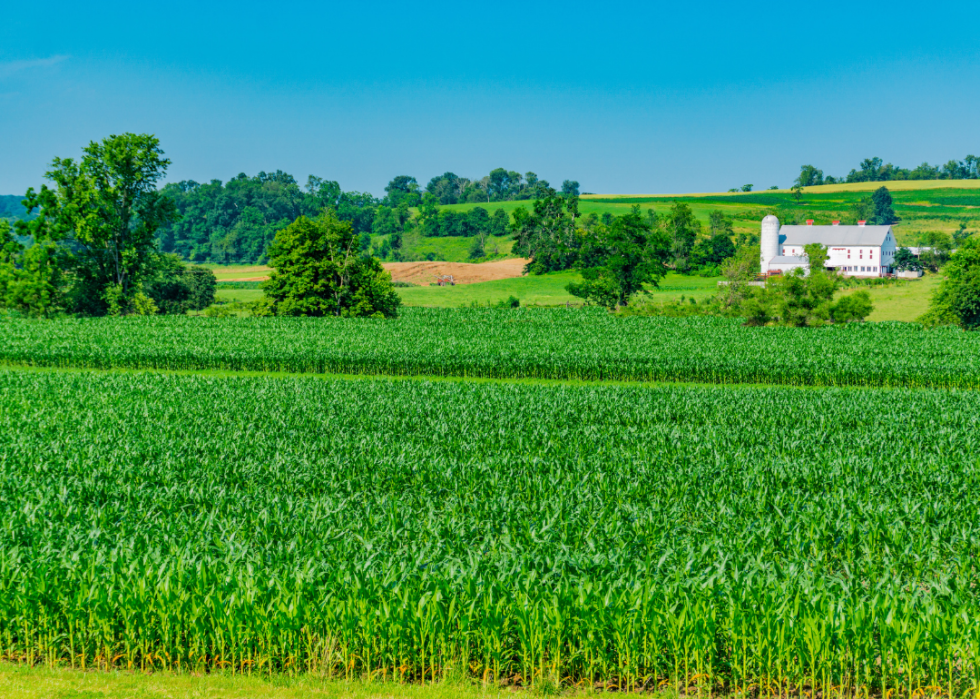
861,250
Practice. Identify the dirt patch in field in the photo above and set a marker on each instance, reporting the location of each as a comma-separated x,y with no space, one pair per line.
463,272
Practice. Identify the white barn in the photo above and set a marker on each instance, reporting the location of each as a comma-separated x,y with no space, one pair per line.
862,251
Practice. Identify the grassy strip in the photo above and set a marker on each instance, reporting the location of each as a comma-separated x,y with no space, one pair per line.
25,682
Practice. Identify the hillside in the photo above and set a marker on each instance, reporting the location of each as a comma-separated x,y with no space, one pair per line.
923,205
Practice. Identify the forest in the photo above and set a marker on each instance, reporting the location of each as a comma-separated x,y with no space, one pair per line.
233,222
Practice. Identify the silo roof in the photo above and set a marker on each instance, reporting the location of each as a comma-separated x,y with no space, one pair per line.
833,235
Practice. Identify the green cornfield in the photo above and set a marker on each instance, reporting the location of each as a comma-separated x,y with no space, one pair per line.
757,540
574,344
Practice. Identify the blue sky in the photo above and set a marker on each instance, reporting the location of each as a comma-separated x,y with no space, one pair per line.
623,97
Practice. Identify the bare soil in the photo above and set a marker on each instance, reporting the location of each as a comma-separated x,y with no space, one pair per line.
463,272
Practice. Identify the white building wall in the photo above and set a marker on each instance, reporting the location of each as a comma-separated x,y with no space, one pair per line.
850,259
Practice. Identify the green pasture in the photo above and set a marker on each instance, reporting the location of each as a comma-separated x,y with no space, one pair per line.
904,301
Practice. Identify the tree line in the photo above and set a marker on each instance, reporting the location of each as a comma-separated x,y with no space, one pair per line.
875,170
101,240
233,222
87,244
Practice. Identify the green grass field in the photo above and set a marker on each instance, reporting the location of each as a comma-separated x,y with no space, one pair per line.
23,682
542,290
905,301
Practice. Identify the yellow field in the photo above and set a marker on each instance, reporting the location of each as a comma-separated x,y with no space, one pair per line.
894,185
240,273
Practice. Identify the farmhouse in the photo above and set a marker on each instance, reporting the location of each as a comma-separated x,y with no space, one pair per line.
861,250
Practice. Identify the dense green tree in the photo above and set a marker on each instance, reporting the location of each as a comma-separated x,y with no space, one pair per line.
884,215
546,235
621,259
961,234
683,229
863,210
499,223
569,188
805,297
905,260
403,189
739,271
957,301
809,176
719,224
935,248
109,204
319,271
712,251
31,277
176,288
386,221
428,217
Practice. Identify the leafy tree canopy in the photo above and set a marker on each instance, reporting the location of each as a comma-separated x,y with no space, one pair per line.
108,204
320,271
957,301
621,259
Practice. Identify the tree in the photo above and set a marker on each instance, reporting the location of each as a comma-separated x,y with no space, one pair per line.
852,308
797,191
816,255
738,271
109,204
629,254
403,189
319,271
935,248
547,234
569,188
429,214
961,234
804,298
176,288
31,279
957,301
683,229
863,209
747,187
809,176
883,213
905,260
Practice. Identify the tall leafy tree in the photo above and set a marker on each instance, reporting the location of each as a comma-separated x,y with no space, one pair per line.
683,228
884,213
957,301
403,189
109,204
547,233
621,259
319,271
31,278
809,176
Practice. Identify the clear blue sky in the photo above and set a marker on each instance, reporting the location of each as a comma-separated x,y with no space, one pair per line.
623,97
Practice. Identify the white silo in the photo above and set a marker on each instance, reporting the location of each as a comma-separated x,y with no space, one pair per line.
769,242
